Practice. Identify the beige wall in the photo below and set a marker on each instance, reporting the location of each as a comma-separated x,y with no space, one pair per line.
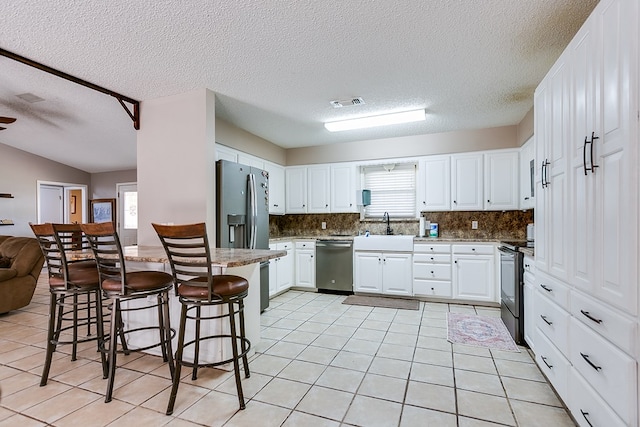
19,173
103,185
525,128
239,139
408,146
176,164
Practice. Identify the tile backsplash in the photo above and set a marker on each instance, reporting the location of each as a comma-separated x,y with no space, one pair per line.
507,225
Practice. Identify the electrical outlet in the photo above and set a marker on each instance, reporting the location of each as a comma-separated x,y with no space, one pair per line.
324,225
474,225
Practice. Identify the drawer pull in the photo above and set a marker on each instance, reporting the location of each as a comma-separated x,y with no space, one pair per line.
586,358
584,415
590,317
544,359
545,320
546,288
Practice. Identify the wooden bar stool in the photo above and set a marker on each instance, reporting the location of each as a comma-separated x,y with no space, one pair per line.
187,248
121,287
75,280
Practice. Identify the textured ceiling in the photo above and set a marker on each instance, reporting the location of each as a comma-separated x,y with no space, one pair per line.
274,66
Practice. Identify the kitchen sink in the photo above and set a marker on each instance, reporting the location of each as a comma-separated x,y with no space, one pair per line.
375,242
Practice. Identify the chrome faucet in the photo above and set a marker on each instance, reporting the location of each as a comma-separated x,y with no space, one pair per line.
385,217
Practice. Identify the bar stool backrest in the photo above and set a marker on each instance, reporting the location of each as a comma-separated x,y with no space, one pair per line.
52,254
107,251
187,247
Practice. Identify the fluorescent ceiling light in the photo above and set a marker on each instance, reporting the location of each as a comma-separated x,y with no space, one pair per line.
373,121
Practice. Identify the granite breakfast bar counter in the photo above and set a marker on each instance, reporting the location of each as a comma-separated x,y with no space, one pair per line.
240,262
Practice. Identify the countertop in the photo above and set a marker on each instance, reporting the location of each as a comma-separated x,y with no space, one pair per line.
350,237
220,257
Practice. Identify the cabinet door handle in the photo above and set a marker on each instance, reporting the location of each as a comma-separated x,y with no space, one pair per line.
584,156
590,317
544,359
455,202
586,358
545,320
526,198
542,174
584,415
593,137
546,288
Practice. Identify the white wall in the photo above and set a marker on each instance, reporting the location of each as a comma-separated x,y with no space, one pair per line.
176,162
19,173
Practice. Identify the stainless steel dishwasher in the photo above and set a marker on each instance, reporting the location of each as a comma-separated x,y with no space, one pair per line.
334,265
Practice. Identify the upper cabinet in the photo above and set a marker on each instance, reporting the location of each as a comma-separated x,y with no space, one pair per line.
501,184
226,153
527,175
296,189
318,189
343,188
466,182
434,184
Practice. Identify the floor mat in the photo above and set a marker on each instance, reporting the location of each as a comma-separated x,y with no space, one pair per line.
480,331
403,304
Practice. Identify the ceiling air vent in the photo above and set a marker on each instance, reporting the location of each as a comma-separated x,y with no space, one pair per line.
347,102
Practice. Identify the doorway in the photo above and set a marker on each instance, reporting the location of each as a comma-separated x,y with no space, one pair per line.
60,202
127,213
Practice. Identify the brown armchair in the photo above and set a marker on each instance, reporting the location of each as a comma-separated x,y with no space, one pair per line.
21,261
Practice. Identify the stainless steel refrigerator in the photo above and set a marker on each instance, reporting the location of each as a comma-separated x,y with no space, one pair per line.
242,220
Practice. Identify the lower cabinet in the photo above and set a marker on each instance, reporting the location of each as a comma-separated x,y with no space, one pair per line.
281,269
432,270
474,273
383,273
305,264
529,304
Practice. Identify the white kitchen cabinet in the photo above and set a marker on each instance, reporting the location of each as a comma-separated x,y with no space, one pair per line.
529,305
276,188
296,189
367,272
552,201
586,132
467,182
396,274
281,268
604,160
226,153
383,272
432,270
434,184
305,269
474,273
527,172
501,184
249,160
343,188
318,189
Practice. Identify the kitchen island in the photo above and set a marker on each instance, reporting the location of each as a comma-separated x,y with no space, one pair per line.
240,262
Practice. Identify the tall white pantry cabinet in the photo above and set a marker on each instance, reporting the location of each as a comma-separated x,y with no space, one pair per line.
587,201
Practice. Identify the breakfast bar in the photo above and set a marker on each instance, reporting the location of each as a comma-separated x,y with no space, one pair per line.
240,262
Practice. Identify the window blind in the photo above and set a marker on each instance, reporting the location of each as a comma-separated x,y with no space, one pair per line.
393,190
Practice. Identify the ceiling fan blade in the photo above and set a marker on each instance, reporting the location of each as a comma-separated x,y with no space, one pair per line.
7,120
1,128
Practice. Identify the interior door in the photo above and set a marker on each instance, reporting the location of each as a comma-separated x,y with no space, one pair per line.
51,204
128,213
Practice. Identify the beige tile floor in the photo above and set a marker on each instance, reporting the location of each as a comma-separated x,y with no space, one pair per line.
319,363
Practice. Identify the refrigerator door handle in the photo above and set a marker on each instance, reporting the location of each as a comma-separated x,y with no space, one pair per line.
253,206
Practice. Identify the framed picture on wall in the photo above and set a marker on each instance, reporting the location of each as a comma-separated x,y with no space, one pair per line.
103,210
